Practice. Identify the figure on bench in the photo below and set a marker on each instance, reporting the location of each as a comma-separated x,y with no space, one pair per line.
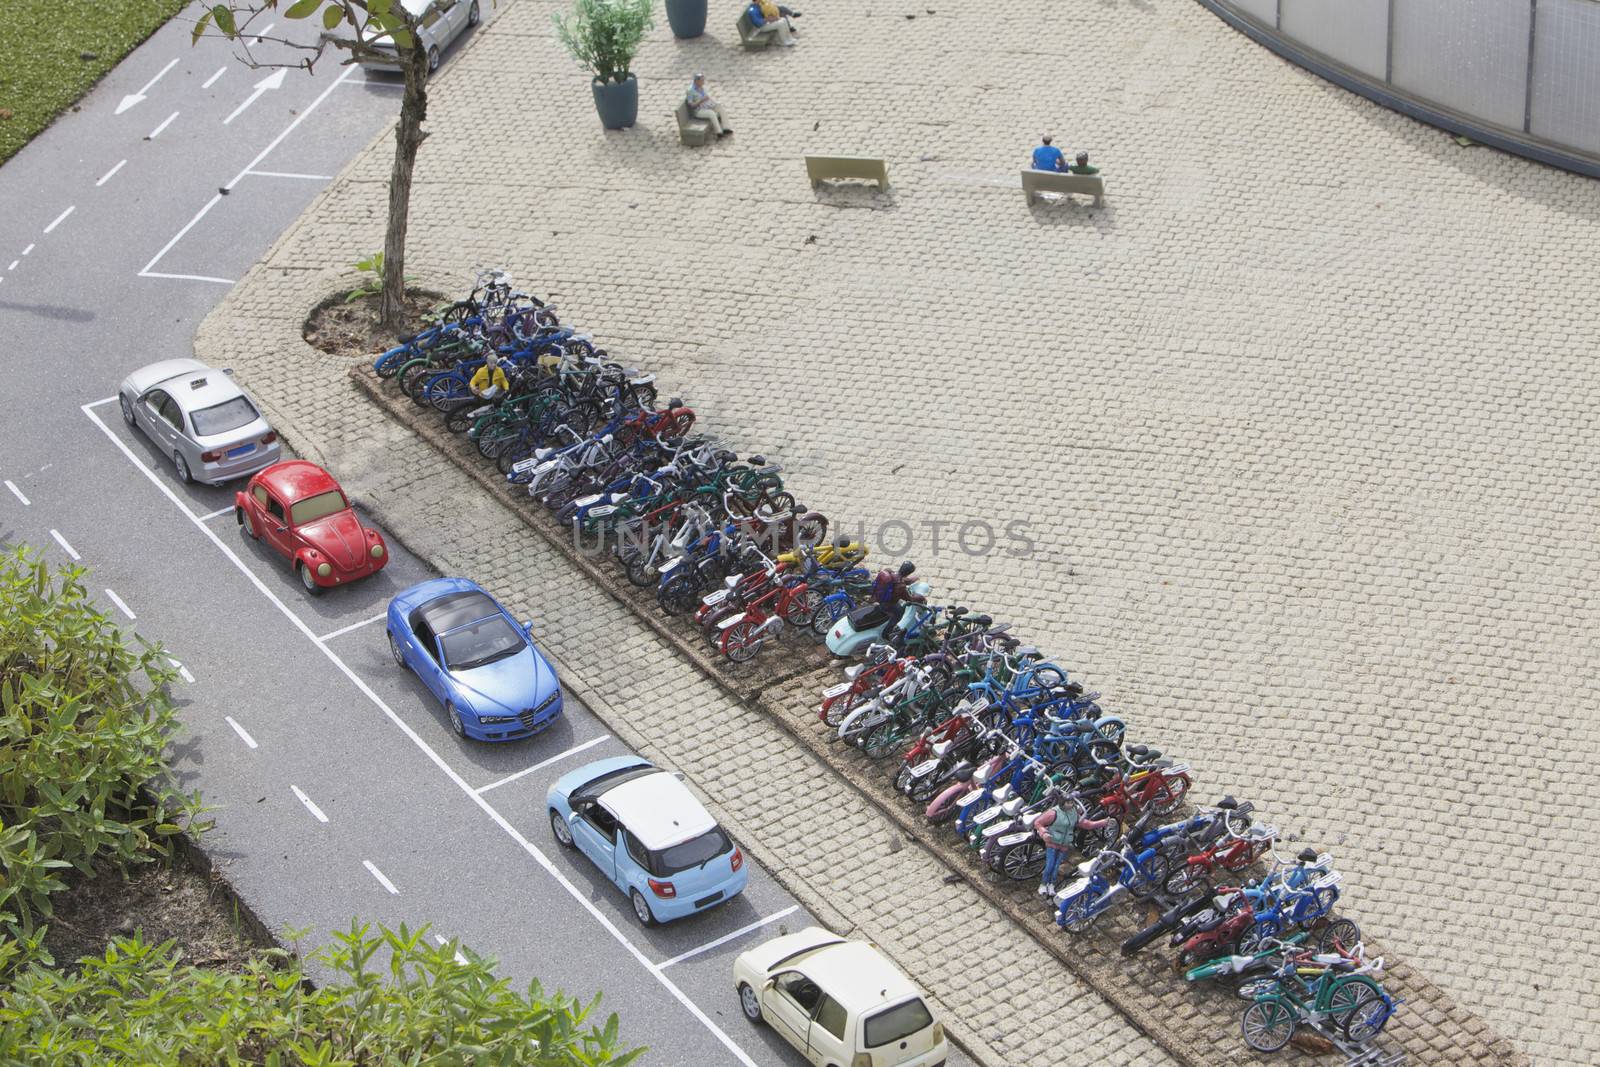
702,107
769,19
1048,157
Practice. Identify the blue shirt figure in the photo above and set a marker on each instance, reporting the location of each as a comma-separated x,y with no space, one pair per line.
756,18
1048,157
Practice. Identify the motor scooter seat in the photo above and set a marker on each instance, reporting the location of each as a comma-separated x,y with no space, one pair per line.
865,618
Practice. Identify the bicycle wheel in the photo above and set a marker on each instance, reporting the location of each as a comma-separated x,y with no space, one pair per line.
412,376
1346,996
1077,917
1255,986
1024,862
1368,1018
1151,876
1250,940
1339,934
882,740
830,611
797,608
1268,1025
741,642
1185,878
1173,791
677,594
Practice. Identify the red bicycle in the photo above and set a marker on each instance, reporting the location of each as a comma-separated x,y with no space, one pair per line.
1160,785
1233,853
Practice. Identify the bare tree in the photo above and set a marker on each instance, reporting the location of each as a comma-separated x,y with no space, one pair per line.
359,29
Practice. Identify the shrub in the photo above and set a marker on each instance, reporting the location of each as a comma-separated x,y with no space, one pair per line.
604,35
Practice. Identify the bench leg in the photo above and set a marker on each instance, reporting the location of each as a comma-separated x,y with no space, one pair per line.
1099,201
1028,195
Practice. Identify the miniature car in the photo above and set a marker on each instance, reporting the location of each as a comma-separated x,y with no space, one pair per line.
839,1002
647,833
196,415
439,22
481,664
301,511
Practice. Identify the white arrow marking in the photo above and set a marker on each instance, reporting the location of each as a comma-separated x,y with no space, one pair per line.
134,98
271,81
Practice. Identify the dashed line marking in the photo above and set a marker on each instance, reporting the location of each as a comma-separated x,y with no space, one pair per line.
11,485
311,807
353,626
725,938
62,541
184,671
573,751
153,134
58,221
246,738
14,263
263,33
209,82
121,604
107,175
442,943
379,876
25,251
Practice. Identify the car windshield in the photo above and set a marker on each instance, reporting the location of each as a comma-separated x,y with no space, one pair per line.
898,1023
691,853
316,507
220,418
481,642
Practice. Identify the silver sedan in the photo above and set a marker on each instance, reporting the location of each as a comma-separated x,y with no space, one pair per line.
197,415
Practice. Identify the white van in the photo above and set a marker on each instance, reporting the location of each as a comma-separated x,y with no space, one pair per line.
841,1003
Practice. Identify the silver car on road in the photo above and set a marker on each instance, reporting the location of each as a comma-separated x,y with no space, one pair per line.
439,22
196,415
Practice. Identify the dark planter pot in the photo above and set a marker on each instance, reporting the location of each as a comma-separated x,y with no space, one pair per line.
686,17
618,104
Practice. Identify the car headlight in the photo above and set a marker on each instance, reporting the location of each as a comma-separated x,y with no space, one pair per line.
496,720
377,551
323,570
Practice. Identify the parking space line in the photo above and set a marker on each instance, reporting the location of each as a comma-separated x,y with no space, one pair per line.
58,220
312,808
122,605
62,541
208,516
580,897
198,215
725,938
442,943
246,738
209,82
17,492
103,401
108,174
573,751
379,876
283,174
352,626
182,670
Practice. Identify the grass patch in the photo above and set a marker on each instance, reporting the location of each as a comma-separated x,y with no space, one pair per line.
43,45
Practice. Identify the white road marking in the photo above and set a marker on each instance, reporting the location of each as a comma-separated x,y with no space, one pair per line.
58,221
184,671
574,750
276,141
528,847
271,81
153,134
725,938
352,626
101,402
17,492
264,32
215,197
134,98
14,263
282,174
379,876
312,808
121,604
209,82
25,251
107,175
246,738
62,541
442,943
213,514
187,277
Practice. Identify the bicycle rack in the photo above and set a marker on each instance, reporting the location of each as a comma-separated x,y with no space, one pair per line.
1369,1055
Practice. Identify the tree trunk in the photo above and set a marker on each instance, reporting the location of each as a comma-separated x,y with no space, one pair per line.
408,136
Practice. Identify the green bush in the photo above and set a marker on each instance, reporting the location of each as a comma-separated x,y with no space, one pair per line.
604,35
84,720
140,1004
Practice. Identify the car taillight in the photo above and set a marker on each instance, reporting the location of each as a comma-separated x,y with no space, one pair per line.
938,1032
272,435
377,551
662,889
862,1059
738,858
210,457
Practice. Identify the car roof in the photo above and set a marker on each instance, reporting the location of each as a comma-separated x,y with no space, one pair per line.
857,975
658,809
457,609
296,479
196,389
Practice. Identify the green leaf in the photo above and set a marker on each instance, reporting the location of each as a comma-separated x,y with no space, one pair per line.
200,26
332,16
301,8
223,15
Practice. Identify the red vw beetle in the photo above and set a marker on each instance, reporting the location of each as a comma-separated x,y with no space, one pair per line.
302,512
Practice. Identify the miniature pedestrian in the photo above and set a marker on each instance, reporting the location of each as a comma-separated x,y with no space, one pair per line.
1055,828
489,381
775,25
701,106
1081,165
1048,157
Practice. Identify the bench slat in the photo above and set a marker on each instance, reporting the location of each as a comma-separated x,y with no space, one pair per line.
865,168
1047,181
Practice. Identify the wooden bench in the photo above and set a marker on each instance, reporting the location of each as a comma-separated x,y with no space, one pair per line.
1050,181
691,131
862,168
750,34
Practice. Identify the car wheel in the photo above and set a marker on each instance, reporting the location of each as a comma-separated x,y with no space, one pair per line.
394,650
433,60
473,14
559,827
308,581
749,1002
127,410
456,724
249,524
641,908
181,466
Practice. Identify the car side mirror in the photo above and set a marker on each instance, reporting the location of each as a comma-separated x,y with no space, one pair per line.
527,626
228,371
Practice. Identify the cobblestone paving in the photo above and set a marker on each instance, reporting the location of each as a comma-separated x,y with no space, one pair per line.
1302,421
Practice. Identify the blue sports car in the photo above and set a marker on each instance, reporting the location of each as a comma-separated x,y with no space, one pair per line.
481,664
649,835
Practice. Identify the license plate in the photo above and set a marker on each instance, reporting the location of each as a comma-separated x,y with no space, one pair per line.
922,770
241,450
1013,839
836,690
712,899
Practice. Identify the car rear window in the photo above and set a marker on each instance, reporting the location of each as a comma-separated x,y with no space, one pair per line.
317,507
220,418
691,853
900,1021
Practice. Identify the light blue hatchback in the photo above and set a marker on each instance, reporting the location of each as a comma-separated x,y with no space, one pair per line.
647,833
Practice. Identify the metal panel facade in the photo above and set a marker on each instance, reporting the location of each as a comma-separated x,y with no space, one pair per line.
1469,55
1566,73
1355,32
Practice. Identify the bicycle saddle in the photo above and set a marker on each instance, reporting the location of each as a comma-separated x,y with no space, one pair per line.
955,611
1139,750
675,402
1227,803
758,461
1307,855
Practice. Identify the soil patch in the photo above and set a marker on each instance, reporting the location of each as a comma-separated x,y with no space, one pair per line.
163,900
351,329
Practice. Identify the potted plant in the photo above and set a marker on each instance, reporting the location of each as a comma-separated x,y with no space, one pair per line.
686,17
604,36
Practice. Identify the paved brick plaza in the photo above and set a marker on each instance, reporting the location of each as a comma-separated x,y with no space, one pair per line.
1302,421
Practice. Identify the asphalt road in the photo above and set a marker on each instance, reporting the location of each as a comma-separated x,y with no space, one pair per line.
338,789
